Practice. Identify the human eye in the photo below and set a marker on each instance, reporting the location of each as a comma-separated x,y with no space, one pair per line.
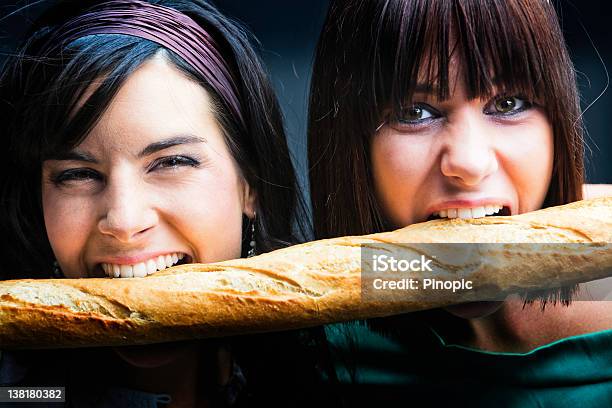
174,162
76,177
414,117
417,113
507,105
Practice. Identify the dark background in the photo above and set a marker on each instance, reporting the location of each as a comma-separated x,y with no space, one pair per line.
288,30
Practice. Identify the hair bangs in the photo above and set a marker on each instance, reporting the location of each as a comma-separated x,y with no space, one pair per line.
94,69
425,46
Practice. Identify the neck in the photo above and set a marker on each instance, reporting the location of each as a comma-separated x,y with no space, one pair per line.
519,328
503,330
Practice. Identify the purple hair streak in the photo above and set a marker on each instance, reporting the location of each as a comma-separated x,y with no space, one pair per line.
163,25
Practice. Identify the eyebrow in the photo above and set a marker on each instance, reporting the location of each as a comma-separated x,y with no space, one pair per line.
77,155
74,155
173,141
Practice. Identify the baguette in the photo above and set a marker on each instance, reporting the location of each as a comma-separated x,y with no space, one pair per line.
304,285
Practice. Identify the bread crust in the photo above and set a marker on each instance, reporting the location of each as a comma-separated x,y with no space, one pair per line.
304,285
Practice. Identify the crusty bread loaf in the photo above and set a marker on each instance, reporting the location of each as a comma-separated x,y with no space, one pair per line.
304,285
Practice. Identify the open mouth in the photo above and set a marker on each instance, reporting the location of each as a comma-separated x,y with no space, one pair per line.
144,268
474,212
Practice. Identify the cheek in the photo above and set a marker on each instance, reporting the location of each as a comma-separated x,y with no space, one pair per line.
208,213
67,216
527,155
400,166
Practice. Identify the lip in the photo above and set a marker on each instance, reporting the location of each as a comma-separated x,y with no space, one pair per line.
133,259
469,203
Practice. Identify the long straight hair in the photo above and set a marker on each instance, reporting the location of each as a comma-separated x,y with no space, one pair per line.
367,61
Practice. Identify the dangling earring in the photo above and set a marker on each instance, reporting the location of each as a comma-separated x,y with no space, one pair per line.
57,272
252,244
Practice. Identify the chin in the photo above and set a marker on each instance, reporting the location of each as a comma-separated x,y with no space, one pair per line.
474,310
153,355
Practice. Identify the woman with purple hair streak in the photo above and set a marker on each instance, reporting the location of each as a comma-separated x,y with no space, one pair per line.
143,135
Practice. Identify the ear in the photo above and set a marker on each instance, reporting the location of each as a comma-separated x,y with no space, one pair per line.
249,197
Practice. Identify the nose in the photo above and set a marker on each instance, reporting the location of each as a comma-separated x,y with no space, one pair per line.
469,155
127,210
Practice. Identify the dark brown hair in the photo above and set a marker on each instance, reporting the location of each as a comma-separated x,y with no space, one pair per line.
367,61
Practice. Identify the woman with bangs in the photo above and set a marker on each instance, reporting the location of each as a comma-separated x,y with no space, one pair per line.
443,109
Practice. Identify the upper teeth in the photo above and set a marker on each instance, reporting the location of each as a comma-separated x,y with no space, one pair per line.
474,212
142,269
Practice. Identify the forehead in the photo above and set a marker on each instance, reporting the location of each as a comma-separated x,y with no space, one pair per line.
156,101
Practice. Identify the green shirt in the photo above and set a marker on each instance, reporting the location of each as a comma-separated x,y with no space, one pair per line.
385,370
